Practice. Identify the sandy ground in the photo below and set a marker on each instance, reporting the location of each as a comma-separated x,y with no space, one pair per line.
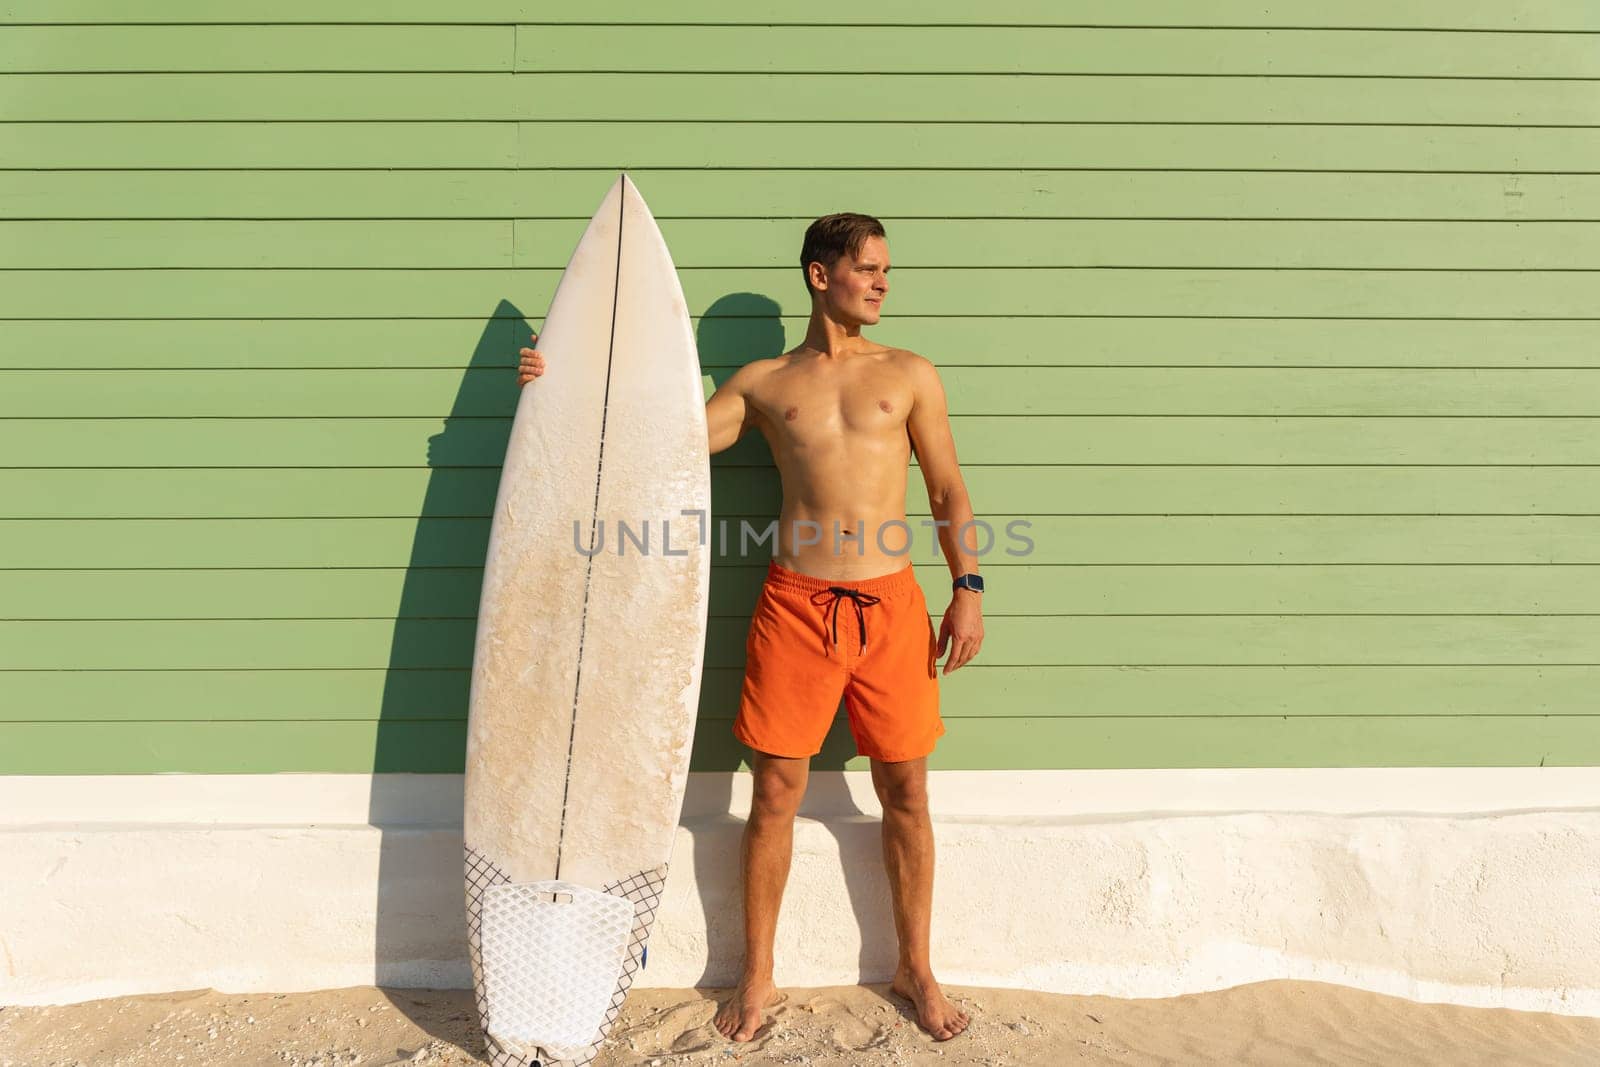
1267,1023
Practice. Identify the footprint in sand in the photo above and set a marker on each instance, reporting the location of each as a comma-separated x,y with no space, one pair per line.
847,1029
672,1029
682,1029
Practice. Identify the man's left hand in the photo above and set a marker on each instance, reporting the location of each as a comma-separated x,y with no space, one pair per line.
962,629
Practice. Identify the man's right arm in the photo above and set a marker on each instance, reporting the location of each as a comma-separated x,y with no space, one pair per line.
728,414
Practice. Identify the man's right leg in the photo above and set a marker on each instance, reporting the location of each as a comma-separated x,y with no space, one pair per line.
780,783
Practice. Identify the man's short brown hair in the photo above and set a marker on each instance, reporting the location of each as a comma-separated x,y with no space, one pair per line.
830,237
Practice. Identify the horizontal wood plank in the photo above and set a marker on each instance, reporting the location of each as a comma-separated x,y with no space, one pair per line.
741,327
1008,391
996,49
1078,489
1528,15
745,144
1017,588
745,244
1016,641
250,443
1480,540
976,691
1000,49
260,47
250,145
634,97
800,194
999,291
968,744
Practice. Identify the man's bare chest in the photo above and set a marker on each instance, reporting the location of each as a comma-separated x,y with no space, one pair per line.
817,409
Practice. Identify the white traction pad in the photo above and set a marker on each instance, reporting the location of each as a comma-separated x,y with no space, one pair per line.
552,953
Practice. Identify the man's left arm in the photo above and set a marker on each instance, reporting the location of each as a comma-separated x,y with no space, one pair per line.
929,428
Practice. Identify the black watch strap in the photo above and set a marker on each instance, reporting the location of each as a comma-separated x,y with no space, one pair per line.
973,582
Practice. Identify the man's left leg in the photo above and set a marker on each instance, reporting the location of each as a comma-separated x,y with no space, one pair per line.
908,856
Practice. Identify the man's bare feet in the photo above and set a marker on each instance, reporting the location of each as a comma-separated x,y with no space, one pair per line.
740,1017
935,1013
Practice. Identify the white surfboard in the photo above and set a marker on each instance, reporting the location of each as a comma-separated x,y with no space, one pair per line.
590,642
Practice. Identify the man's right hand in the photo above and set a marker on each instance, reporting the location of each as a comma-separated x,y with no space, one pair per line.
531,364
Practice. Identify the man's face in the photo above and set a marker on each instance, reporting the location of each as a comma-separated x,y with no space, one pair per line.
854,290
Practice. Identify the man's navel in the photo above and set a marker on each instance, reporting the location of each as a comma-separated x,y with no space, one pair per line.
791,414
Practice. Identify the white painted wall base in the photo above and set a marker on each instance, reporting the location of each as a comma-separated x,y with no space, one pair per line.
1142,883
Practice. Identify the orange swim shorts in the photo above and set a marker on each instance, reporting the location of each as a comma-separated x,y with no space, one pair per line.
815,639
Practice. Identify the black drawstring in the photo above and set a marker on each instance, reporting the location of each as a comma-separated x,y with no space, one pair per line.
858,598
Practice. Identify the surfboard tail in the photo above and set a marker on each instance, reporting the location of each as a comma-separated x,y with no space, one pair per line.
553,961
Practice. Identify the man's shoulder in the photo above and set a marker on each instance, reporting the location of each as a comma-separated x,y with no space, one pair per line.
911,363
759,368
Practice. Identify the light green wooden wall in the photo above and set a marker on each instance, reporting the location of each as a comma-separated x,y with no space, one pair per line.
1278,321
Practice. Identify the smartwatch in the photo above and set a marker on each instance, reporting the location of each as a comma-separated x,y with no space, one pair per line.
973,582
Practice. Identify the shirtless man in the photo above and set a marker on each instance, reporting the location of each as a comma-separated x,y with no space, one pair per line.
842,415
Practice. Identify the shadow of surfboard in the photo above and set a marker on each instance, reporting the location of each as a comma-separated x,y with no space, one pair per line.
422,713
